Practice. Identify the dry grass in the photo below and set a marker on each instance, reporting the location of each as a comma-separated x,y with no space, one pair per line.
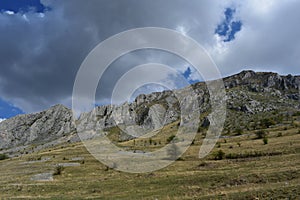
269,176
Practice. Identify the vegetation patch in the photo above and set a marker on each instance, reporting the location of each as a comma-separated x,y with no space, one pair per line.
3,156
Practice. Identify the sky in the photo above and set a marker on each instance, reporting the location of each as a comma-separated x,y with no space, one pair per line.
43,43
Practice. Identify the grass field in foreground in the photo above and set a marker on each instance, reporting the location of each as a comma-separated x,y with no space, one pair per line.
249,169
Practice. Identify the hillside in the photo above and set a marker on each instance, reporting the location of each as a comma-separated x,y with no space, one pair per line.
239,167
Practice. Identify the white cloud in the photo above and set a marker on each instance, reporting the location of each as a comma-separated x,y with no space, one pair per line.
2,119
42,15
269,39
182,29
25,17
9,12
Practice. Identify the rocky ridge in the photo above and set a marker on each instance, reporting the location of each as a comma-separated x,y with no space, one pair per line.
249,94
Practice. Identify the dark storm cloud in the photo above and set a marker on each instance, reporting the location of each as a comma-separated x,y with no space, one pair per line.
41,53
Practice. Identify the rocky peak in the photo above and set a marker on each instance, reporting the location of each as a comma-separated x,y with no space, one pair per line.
36,128
256,80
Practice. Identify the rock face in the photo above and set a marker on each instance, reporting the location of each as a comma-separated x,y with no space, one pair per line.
36,128
248,93
146,113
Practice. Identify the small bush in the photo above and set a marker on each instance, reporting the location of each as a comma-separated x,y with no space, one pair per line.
239,144
296,113
3,156
239,131
251,154
267,122
260,134
265,140
58,170
203,164
193,142
150,141
219,155
279,134
34,158
170,138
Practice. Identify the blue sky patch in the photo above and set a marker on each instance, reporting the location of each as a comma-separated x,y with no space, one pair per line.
7,110
22,6
187,75
228,27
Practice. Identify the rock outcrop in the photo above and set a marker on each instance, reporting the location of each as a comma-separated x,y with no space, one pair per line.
36,128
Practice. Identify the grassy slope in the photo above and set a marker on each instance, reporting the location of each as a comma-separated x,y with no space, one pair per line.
272,175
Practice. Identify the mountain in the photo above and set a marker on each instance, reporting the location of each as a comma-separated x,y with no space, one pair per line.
254,99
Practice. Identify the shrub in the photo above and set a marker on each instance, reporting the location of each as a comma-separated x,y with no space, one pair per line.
58,170
203,164
239,144
265,140
193,142
279,134
34,158
238,131
170,138
267,122
232,156
296,113
3,156
260,134
150,141
219,155
110,166
200,129
251,154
